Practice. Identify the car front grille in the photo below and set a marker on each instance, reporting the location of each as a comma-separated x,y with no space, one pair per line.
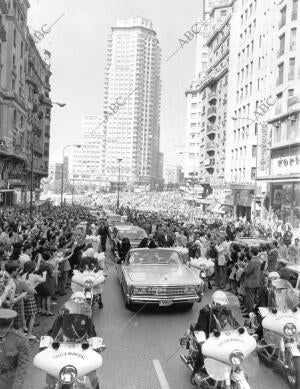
167,291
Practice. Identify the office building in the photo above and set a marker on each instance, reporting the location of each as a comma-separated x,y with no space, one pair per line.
251,80
282,160
88,162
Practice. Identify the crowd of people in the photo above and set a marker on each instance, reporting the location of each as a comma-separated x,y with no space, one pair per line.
38,256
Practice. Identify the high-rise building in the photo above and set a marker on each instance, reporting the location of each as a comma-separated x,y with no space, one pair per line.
194,103
282,162
251,80
25,106
88,161
132,103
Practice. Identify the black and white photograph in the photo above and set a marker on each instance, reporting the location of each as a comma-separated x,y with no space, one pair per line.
149,194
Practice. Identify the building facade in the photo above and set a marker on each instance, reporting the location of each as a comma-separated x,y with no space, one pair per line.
194,129
283,162
251,79
132,92
88,161
25,107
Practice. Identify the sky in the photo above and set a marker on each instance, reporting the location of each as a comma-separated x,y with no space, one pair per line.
77,43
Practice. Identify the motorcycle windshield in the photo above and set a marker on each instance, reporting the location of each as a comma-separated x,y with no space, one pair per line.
281,296
76,327
229,344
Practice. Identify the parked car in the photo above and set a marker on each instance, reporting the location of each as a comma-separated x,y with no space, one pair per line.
158,276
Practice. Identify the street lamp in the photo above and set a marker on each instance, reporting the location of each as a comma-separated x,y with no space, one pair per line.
118,195
62,172
256,158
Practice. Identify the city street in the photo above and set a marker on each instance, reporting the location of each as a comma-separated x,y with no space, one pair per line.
143,348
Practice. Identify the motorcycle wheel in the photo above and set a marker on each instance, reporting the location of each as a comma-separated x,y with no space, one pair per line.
293,370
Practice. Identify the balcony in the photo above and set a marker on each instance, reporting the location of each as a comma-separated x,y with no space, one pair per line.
212,111
211,129
210,146
293,100
2,33
212,95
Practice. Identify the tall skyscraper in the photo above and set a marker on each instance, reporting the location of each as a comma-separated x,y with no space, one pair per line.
132,103
88,162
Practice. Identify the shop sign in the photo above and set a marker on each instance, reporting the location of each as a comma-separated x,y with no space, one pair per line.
263,147
285,165
243,197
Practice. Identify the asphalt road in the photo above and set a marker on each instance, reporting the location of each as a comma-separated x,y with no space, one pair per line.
143,346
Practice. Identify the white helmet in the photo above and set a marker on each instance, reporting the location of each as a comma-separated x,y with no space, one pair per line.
273,276
220,298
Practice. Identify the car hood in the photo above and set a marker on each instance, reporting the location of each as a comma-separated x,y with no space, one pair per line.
161,275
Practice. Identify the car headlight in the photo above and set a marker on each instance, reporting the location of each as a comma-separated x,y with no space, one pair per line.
289,329
68,374
190,289
236,357
88,284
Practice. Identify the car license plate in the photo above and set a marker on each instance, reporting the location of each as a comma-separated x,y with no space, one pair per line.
165,303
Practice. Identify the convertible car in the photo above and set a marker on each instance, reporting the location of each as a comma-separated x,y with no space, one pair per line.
158,276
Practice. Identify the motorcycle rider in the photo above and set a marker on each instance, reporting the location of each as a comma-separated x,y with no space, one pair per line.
91,263
73,324
214,316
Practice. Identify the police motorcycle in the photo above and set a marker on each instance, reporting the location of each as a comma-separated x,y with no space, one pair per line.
226,351
278,329
71,355
89,281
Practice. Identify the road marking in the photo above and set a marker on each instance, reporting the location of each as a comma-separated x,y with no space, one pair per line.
160,374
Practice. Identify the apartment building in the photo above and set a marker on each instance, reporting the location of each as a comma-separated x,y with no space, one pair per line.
251,79
214,89
283,160
194,106
25,107
133,75
88,161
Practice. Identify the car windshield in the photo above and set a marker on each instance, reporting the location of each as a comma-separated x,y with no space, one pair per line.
133,235
154,257
76,327
281,296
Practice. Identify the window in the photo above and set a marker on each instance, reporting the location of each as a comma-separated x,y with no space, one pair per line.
282,17
253,173
15,38
281,45
254,150
293,39
280,74
223,13
292,69
294,9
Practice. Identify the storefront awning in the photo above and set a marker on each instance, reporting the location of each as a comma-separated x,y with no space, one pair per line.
280,178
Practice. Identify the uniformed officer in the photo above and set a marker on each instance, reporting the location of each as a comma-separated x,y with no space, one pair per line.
14,352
